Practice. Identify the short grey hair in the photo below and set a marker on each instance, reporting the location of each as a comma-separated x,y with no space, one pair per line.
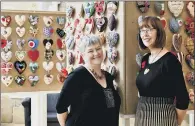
88,40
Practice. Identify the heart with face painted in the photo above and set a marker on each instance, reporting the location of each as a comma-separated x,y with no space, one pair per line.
7,80
48,79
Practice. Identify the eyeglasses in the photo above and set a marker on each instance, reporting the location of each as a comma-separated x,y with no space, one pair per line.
148,30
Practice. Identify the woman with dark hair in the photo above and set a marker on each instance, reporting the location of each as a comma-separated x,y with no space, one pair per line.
163,95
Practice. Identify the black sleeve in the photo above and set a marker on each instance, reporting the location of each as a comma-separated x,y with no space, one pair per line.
68,93
176,76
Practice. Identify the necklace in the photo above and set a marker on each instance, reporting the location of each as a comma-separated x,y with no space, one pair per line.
147,69
96,75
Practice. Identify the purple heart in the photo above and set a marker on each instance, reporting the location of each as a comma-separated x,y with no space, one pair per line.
48,31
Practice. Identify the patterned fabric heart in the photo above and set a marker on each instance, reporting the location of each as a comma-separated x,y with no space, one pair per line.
33,19
6,56
48,78
69,27
189,27
20,66
89,25
6,45
20,79
143,6
173,25
60,32
48,54
20,43
70,43
61,54
20,55
33,43
48,31
61,43
100,7
5,20
190,61
159,7
176,7
33,79
69,11
189,44
20,19
89,8
190,7
33,67
33,30
6,32
61,20
6,67
112,38
177,41
71,58
48,20
20,31
101,23
47,43
112,54
33,55
112,22
7,80
190,78
112,7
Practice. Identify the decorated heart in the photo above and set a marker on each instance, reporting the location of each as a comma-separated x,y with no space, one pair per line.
190,78
143,6
100,7
6,45
47,43
3,43
60,32
20,79
48,20
33,54
33,67
112,38
112,70
33,19
61,78
189,61
20,19
89,8
61,20
6,67
174,25
20,55
20,66
48,78
6,56
163,21
189,44
190,7
48,31
70,43
69,11
20,43
89,25
6,32
71,58
33,79
175,7
61,54
177,41
60,66
48,54
189,27
159,7
33,31
33,43
60,43
112,54
102,38
7,80
5,20
112,7
69,27
20,31
101,23
112,22
48,65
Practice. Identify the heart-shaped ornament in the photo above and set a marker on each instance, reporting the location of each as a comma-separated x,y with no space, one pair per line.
6,45
190,61
177,41
20,19
48,54
71,57
61,43
70,42
190,7
33,31
3,43
7,80
102,38
6,32
20,66
112,54
6,67
60,66
20,55
33,55
189,27
61,78
48,78
89,25
69,27
20,79
20,31
143,6
60,32
69,11
6,56
175,7
33,79
101,23
48,31
174,25
138,59
48,20
89,8
33,43
163,21
190,78
112,38
20,43
5,20
112,22
112,7
61,54
189,44
33,67
33,19
100,7
48,65
61,20
160,7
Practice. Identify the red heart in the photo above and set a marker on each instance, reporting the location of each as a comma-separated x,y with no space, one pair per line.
164,23
3,43
7,19
59,43
33,54
64,72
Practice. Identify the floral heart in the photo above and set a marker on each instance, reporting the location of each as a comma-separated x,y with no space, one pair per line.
20,55
20,79
112,38
7,80
89,8
6,32
33,19
20,43
100,7
48,20
112,22
5,20
60,66
71,58
20,19
48,78
33,67
20,31
189,27
176,7
177,41
70,43
190,78
143,6
33,31
20,66
6,45
101,23
6,56
190,7
69,27
189,61
61,54
33,54
69,11
48,31
48,65
6,67
33,79
61,78
189,44
60,32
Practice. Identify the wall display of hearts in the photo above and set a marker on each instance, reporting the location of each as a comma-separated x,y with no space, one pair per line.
27,40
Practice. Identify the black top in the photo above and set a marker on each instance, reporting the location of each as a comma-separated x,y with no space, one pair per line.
91,104
164,79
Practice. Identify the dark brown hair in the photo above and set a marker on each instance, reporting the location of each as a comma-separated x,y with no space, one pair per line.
160,36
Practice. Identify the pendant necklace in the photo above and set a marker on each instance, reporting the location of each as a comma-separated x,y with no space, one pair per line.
96,75
147,69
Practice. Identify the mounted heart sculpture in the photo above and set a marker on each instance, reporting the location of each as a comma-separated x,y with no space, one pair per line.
20,66
20,31
60,66
189,44
177,41
89,25
190,61
61,20
113,70
33,79
71,58
189,27
6,67
69,27
6,45
20,19
33,67
174,25
191,95
61,78
112,7
20,79
33,55
143,6
190,7
6,56
101,23
163,21
20,55
48,78
70,42
89,8
112,38
160,7
3,43
48,31
48,20
20,43
190,78
33,19
48,65
33,43
5,20
100,7
112,22
33,31
60,32
112,54
61,54
69,11
6,32
47,43
48,54
7,80
176,7
61,43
